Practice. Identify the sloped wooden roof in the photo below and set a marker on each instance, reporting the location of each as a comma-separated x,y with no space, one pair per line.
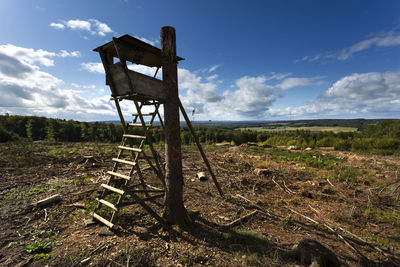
134,50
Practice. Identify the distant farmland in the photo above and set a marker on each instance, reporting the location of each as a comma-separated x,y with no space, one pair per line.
335,129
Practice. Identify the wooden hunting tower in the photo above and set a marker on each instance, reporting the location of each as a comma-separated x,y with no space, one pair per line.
127,183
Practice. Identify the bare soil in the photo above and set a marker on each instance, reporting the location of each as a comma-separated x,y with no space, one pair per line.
360,196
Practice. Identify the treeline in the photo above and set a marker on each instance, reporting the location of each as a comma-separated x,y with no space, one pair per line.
383,137
13,128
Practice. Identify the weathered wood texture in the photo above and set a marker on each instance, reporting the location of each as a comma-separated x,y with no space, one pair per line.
133,50
144,85
175,212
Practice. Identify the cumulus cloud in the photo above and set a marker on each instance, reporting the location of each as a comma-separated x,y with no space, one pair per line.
254,96
94,67
28,90
57,26
90,86
213,68
76,24
97,67
64,53
92,26
387,39
31,56
362,94
146,40
13,67
249,97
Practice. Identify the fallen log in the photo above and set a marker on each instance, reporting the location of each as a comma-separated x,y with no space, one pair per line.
49,200
240,220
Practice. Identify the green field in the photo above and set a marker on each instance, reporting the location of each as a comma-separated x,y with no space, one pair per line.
335,129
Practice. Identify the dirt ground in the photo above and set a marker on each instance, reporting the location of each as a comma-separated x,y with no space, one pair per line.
348,202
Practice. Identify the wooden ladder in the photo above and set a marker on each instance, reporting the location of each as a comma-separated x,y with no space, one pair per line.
130,153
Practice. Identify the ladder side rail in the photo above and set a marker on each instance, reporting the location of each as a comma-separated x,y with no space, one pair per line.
131,87
136,116
153,151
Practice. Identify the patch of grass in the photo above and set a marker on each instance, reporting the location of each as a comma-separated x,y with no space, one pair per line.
287,223
368,178
17,244
320,226
83,178
308,172
41,257
60,150
16,194
185,261
311,159
255,259
13,194
254,150
239,166
39,246
90,204
376,239
342,173
382,216
40,189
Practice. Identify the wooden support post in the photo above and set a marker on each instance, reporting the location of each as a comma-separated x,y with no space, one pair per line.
174,212
189,124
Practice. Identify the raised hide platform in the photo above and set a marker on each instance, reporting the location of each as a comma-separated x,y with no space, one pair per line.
145,87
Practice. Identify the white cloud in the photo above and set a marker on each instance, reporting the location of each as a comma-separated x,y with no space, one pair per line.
76,24
25,89
94,67
362,94
299,82
100,28
32,56
64,53
57,26
97,67
213,68
147,40
387,39
90,86
250,97
93,26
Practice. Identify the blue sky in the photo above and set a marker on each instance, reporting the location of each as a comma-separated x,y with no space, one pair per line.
244,60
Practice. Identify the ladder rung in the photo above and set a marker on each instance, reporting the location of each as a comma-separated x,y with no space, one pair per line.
126,177
130,148
144,114
134,136
124,161
101,219
115,190
139,124
108,204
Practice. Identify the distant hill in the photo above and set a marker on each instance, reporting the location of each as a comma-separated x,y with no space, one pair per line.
355,123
